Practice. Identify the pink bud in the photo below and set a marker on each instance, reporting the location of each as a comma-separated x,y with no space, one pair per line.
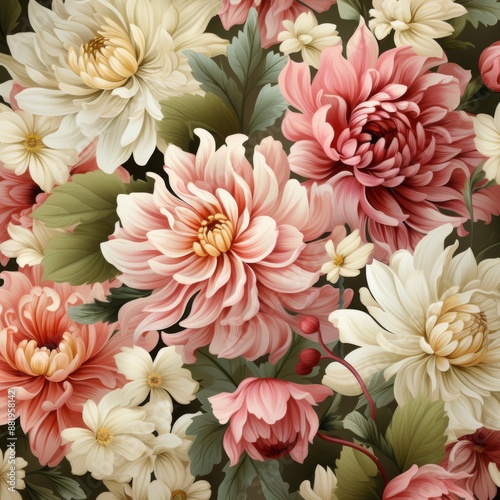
309,325
303,369
310,357
489,66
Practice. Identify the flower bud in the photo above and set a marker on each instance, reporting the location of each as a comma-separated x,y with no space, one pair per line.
303,368
310,357
309,325
489,66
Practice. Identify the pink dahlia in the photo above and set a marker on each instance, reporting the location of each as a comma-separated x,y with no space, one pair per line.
269,418
53,363
383,132
489,66
271,14
428,482
225,244
478,455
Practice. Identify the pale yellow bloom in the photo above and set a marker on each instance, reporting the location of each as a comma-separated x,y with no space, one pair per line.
487,141
325,484
306,36
11,474
415,22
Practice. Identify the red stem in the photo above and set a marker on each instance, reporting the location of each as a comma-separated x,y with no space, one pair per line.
351,368
359,448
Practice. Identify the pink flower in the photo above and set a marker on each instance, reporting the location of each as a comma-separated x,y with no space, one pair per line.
428,482
489,66
271,14
383,132
226,242
53,363
269,418
477,454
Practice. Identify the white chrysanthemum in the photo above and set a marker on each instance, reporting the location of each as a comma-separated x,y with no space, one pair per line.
306,36
27,244
348,258
11,480
325,484
487,141
159,379
23,147
415,22
434,324
114,434
105,65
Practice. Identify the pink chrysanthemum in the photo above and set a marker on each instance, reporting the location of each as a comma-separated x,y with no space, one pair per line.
53,363
383,132
477,454
271,14
269,418
229,238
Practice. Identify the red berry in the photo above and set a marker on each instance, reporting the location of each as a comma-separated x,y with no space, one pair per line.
309,325
310,357
303,369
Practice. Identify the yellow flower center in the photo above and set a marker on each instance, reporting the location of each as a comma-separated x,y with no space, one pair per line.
339,260
104,436
456,333
108,60
33,142
35,360
214,236
154,380
178,495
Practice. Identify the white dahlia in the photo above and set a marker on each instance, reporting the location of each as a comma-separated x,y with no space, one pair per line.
434,323
105,65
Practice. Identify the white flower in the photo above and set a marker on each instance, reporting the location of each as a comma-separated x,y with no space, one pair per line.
325,484
184,487
23,147
160,379
306,36
347,258
114,434
27,244
116,491
434,324
105,65
11,474
415,22
487,141
160,414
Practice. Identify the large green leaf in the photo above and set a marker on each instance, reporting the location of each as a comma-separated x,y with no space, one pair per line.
486,12
182,114
75,257
357,476
67,488
349,9
237,479
271,69
271,481
270,105
107,310
417,433
206,449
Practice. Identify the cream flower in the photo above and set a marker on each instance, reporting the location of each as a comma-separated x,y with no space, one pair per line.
160,379
106,65
114,434
415,22
347,257
434,324
325,484
306,36
184,487
27,244
11,474
487,141
23,147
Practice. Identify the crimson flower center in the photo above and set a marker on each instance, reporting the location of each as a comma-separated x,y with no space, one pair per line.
215,236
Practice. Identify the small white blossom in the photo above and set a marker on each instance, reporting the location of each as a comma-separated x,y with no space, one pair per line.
487,141
11,478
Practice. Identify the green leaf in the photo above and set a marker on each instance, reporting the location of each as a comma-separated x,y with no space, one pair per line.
37,492
213,78
10,11
271,481
88,197
381,391
237,479
368,433
469,96
106,311
349,9
456,44
417,433
356,476
486,12
68,488
184,113
245,52
206,449
270,105
140,186
273,65
76,257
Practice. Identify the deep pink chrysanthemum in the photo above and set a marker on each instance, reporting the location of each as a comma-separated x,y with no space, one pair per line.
383,132
269,418
53,363
429,482
229,238
477,454
271,14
